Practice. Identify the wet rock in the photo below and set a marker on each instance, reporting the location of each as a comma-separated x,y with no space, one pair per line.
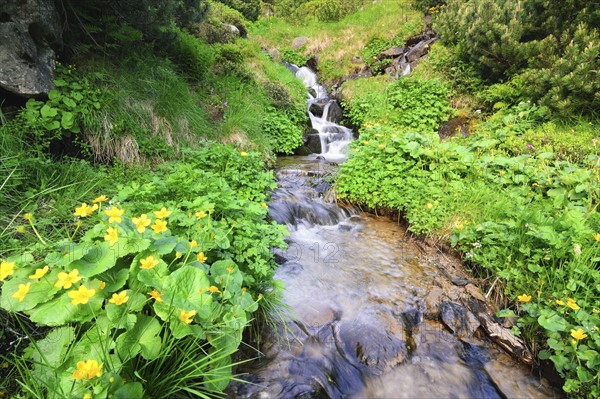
474,292
312,141
453,127
433,302
371,345
459,319
460,281
391,52
299,42
292,268
30,32
312,63
334,111
418,51
345,227
424,36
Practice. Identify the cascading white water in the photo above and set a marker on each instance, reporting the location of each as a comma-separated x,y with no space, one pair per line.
334,137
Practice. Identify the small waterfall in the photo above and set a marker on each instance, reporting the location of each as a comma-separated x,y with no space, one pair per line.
334,137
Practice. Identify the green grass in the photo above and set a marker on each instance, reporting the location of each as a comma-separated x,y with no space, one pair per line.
337,43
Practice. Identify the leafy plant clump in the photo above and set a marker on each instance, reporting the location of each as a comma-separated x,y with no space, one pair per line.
154,284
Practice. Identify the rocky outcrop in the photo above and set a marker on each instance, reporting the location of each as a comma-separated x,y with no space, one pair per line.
30,32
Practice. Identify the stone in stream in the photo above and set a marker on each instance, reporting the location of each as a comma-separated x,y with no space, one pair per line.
371,346
459,319
334,113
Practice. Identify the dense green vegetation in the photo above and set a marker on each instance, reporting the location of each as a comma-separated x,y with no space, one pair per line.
162,113
515,187
135,235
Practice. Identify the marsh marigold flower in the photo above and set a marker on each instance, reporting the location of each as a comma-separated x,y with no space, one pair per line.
193,244
244,153
429,205
159,226
187,317
201,214
524,298
213,289
148,263
572,304
559,302
85,210
163,213
141,223
578,334
119,299
114,214
201,258
112,235
102,198
87,370
21,292
597,237
28,217
39,273
157,296
6,269
81,296
66,280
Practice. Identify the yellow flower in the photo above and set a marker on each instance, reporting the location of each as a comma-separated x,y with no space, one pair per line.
559,302
524,298
163,213
102,198
20,229
85,210
149,262
178,255
429,205
459,225
114,214
39,273
159,226
201,258
572,304
156,295
578,334
21,292
120,298
141,223
595,310
213,289
112,235
201,214
264,205
87,396
244,153
67,280
87,370
187,317
366,142
597,237
574,342
28,217
230,269
6,269
101,285
381,146
193,244
81,296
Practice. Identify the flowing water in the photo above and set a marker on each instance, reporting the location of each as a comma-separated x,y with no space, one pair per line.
364,303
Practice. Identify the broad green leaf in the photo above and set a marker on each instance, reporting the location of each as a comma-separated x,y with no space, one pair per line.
69,102
131,390
506,313
60,311
48,112
552,321
163,245
186,289
154,277
144,337
51,350
67,120
114,279
39,291
98,259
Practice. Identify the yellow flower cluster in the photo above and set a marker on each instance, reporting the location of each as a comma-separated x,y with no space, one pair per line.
85,210
87,370
524,298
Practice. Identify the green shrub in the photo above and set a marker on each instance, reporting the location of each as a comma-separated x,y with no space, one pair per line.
250,9
177,263
556,61
294,57
329,10
284,132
